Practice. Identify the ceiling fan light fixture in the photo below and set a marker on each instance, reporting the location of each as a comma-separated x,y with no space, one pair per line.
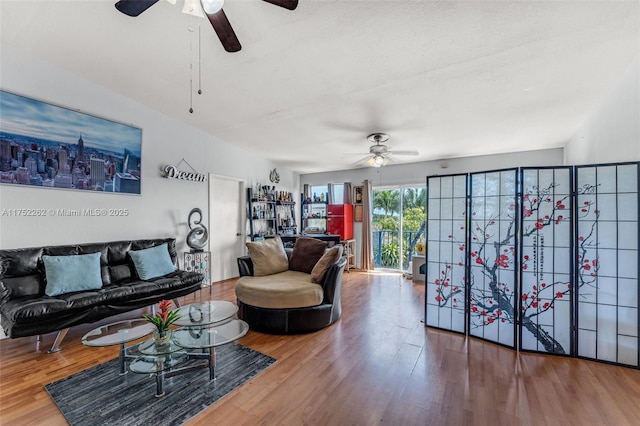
193,7
378,160
212,6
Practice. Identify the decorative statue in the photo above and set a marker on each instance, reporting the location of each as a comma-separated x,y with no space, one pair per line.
274,176
198,236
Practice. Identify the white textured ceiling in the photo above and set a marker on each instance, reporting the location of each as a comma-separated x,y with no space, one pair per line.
448,79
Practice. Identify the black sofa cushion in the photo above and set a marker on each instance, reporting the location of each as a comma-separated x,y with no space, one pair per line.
27,285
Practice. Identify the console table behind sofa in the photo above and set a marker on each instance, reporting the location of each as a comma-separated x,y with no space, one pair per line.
25,310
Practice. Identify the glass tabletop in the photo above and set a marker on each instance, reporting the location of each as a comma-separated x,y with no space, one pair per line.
155,364
205,313
150,347
208,337
118,333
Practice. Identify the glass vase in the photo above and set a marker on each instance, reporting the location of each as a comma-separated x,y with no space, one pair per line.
162,337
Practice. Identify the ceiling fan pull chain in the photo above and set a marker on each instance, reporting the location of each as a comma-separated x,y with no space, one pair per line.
199,63
190,71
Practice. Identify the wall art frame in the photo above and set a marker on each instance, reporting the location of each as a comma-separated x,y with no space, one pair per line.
51,146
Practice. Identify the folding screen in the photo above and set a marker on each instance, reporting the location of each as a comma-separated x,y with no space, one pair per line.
607,262
546,260
552,250
446,245
493,227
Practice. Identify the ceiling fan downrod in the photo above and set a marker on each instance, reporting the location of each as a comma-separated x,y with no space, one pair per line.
378,138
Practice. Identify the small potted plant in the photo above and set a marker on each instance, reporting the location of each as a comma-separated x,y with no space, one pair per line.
162,320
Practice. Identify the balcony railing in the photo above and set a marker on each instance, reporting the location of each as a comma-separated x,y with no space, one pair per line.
386,252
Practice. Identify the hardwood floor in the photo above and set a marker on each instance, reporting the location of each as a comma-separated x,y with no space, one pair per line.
377,365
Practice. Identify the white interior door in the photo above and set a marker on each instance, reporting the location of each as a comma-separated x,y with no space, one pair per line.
226,222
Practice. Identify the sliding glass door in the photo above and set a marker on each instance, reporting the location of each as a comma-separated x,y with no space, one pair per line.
399,221
386,228
413,222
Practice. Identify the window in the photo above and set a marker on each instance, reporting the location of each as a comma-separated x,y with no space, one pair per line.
338,192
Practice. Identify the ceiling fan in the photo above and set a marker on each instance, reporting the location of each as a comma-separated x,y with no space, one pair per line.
213,10
379,153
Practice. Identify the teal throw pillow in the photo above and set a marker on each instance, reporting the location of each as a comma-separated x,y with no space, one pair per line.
152,262
66,274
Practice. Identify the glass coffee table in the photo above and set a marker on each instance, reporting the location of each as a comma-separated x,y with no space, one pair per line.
203,327
119,333
205,313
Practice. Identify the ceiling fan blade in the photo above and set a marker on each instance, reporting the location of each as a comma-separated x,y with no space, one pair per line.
362,161
134,7
403,152
287,4
223,28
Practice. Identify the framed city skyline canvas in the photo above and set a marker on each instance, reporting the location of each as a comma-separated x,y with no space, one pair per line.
49,146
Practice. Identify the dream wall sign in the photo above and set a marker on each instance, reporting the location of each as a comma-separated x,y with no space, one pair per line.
47,146
172,172
543,259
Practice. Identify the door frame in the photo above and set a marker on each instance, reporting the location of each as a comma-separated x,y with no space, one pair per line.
242,184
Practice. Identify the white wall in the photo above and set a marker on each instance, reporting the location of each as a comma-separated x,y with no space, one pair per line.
611,133
162,209
416,173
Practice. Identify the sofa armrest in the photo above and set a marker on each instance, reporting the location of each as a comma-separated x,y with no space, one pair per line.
4,293
332,282
245,266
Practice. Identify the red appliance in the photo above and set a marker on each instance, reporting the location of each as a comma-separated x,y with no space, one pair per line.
340,220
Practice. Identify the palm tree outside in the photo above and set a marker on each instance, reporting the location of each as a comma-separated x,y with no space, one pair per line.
399,222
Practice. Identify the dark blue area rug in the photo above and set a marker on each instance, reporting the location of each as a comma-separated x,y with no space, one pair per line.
99,396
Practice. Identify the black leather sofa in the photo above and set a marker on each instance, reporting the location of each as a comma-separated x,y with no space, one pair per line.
25,310
295,320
